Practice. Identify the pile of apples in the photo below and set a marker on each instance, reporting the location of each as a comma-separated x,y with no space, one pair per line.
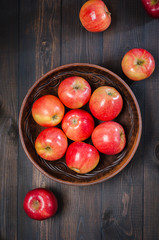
108,137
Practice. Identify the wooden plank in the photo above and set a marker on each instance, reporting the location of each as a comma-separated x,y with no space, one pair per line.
27,15
80,217
8,118
78,45
151,157
122,196
39,52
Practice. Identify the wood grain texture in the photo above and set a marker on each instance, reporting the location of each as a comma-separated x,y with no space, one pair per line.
151,159
8,119
27,66
39,52
37,36
77,44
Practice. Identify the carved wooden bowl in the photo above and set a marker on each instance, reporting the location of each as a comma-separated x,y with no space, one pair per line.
130,118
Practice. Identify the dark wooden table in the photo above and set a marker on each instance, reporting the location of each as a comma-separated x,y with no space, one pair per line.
36,36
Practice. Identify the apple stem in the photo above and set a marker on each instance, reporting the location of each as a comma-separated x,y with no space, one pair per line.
48,148
74,121
36,204
54,117
153,2
106,10
110,94
76,87
140,62
108,13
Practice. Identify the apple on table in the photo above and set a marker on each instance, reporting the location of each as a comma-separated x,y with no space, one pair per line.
152,7
95,16
138,64
40,204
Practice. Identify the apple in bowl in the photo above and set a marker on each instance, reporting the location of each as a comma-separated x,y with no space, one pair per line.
40,204
74,92
95,16
48,111
138,64
109,138
105,103
78,124
51,144
82,157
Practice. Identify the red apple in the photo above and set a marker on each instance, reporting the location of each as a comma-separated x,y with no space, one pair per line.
78,125
95,16
40,204
138,64
74,92
82,157
48,111
109,138
51,144
152,7
105,103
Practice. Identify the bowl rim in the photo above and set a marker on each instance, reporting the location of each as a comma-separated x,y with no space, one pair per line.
102,179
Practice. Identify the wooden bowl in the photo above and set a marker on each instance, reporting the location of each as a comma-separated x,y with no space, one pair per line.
130,118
